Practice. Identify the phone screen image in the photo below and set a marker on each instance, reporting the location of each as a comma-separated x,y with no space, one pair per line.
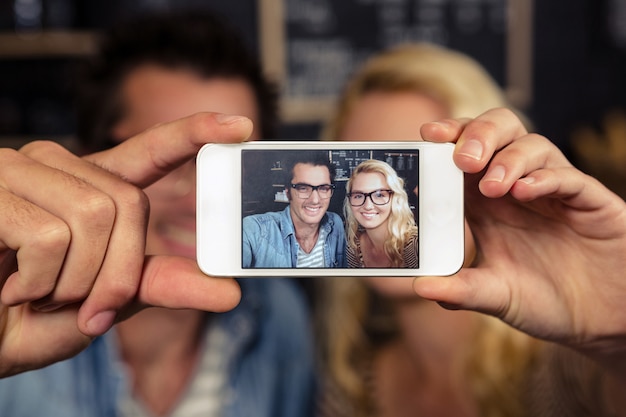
330,208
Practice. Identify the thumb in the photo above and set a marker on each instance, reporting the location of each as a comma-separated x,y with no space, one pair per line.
150,155
468,289
166,281
176,282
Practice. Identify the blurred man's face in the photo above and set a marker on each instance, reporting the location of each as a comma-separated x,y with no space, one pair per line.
153,95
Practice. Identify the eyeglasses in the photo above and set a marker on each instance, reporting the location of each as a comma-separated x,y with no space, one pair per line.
305,190
378,197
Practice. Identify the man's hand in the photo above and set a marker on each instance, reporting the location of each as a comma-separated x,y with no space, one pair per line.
72,241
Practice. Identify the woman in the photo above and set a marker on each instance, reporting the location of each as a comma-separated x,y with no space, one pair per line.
386,351
380,226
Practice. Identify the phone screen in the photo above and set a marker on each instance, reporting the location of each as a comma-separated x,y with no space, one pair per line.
327,208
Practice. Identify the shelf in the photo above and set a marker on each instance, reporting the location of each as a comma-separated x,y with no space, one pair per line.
47,44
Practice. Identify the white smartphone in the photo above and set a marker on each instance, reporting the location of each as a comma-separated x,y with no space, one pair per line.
289,209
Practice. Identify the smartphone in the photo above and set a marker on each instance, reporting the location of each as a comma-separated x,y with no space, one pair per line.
312,208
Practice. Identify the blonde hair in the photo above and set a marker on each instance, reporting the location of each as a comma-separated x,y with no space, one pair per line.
401,225
455,80
496,363
353,322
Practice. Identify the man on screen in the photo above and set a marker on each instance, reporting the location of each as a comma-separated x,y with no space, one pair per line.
304,234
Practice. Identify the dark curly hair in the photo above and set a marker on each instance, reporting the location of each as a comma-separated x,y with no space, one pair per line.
195,40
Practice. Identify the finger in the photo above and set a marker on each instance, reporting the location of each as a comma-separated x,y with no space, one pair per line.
443,131
120,255
585,197
150,155
469,289
31,339
483,136
77,212
171,282
41,241
567,184
478,139
528,153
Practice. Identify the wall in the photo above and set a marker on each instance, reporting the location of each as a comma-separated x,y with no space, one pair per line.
562,61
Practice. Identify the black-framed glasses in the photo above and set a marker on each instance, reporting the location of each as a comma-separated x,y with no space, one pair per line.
305,190
378,197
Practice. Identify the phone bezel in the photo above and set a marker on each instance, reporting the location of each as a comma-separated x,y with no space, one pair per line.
219,215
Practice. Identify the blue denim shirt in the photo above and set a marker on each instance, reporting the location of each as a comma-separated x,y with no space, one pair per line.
269,362
269,240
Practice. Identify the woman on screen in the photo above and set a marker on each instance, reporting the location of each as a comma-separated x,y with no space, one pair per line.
380,226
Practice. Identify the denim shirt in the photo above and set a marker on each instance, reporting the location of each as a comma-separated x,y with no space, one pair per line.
269,241
269,365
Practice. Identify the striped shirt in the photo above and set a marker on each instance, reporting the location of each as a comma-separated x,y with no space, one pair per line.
205,395
315,258
410,254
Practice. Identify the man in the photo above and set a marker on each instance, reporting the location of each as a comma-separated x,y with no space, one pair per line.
304,234
253,360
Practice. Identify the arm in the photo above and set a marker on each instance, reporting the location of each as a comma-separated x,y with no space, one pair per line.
551,240
72,238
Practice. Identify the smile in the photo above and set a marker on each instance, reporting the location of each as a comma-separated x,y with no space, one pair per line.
312,210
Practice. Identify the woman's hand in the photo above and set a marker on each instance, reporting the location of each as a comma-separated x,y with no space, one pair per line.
550,240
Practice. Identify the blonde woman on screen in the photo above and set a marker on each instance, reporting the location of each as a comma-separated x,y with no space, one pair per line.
380,226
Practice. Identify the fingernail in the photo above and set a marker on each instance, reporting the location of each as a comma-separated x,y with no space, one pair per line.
101,322
527,180
226,119
495,174
472,148
443,123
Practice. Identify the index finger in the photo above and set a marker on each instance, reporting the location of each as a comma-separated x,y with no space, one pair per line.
477,139
145,158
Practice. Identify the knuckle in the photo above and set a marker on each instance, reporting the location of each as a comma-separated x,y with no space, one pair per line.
41,149
8,154
134,198
51,236
506,112
97,209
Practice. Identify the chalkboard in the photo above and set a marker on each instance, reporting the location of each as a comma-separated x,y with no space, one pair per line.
346,160
321,42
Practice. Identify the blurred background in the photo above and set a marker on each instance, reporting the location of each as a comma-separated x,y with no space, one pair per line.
561,61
